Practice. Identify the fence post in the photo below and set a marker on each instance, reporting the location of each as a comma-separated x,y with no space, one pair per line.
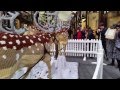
84,49
98,74
101,54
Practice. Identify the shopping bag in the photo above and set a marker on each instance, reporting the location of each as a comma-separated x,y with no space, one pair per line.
110,34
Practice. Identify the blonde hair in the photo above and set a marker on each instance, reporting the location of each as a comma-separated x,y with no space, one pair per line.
17,23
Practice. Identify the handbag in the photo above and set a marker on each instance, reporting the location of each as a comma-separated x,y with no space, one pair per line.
110,33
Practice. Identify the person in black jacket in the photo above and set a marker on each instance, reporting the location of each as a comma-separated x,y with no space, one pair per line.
101,35
75,36
70,33
83,33
90,34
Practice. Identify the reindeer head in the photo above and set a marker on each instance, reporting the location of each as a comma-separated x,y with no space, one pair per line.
62,37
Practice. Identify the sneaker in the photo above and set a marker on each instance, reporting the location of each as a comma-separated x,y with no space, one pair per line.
118,78
111,64
117,66
106,59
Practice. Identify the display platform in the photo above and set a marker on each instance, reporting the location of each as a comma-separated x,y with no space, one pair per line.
61,69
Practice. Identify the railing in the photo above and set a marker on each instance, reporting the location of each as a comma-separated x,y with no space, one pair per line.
98,74
85,48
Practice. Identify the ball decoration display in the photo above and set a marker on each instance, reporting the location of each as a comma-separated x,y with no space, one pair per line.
9,17
46,20
50,21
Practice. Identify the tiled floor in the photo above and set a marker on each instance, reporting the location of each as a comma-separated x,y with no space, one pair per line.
86,69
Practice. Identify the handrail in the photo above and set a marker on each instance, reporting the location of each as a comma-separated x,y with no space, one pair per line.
98,74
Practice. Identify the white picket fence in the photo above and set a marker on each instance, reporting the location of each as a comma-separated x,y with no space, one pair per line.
85,48
98,74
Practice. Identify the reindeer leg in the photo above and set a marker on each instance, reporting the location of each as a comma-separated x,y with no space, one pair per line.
14,69
64,49
47,60
27,73
59,47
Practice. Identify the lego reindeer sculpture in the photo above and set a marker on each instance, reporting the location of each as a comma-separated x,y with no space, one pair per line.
18,51
61,36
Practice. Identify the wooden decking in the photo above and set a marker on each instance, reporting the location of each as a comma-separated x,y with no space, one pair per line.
86,69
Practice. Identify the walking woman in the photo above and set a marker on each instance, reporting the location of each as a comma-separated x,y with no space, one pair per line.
117,47
110,46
